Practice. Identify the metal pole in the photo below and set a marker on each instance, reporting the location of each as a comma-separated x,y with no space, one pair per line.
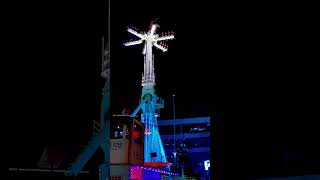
174,123
109,25
106,167
109,123
102,68
174,130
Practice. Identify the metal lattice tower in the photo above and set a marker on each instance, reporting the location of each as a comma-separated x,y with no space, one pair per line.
150,103
101,138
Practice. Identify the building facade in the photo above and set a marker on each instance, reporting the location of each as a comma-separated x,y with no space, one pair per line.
187,144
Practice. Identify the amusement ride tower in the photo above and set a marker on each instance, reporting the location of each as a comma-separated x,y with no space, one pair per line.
150,103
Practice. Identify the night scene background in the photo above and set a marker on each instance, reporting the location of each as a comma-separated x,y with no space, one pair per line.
244,66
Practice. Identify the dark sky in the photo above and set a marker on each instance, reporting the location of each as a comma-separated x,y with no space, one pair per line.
247,64
182,70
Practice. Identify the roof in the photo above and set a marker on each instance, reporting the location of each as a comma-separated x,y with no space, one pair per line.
184,121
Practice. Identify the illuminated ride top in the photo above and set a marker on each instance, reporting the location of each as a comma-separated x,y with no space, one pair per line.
150,104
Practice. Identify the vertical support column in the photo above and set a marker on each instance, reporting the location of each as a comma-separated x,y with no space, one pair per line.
102,170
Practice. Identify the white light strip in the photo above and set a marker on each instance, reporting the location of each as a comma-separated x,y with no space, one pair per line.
135,33
133,43
155,170
160,47
153,28
165,38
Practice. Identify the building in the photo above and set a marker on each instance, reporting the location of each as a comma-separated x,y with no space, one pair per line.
127,151
190,139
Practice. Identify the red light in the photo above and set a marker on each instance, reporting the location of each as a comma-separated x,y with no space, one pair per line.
136,134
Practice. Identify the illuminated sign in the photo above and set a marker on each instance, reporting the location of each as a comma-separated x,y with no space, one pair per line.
206,165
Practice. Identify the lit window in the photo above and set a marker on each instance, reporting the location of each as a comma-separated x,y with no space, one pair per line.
206,165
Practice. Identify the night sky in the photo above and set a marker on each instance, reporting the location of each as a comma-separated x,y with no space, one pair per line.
245,66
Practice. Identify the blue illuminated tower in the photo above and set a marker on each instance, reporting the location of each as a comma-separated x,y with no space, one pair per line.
150,103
